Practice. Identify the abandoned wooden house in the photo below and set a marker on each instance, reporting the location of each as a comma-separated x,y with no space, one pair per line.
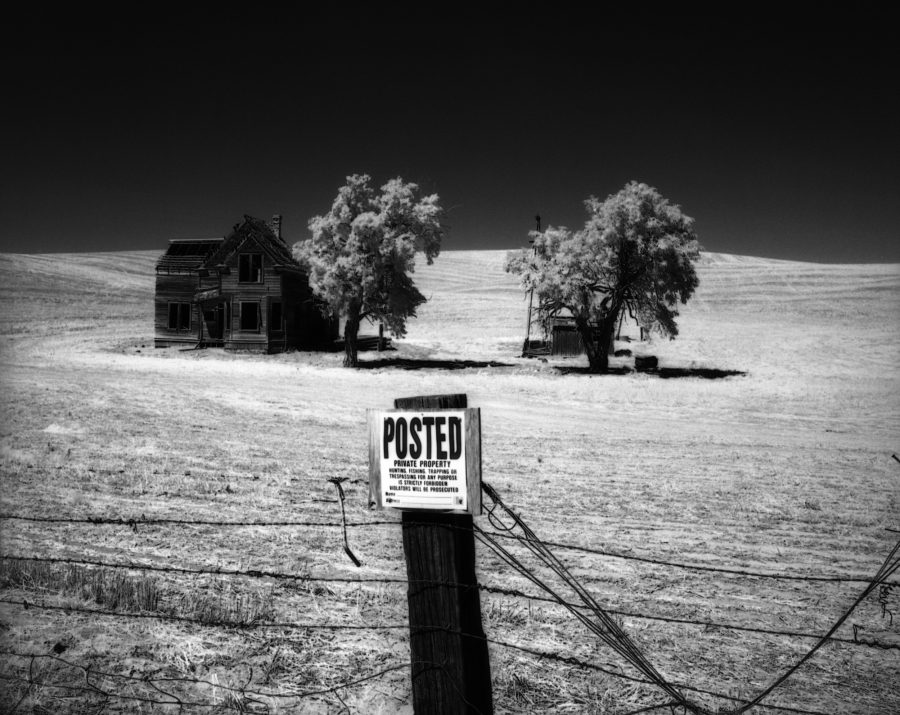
242,292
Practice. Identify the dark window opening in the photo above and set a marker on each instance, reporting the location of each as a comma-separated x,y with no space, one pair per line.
275,318
250,268
249,316
179,316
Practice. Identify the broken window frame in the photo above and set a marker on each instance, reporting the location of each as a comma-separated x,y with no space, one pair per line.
250,268
179,319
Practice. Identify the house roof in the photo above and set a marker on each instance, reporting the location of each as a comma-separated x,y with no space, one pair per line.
262,234
187,254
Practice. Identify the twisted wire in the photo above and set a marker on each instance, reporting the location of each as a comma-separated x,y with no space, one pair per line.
608,630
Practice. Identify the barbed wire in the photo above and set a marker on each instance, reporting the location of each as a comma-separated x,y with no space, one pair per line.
700,567
245,691
237,625
252,573
608,630
499,643
88,672
134,522
687,621
600,623
884,593
569,660
660,562
96,690
142,520
342,626
497,590
260,624
651,708
890,566
577,662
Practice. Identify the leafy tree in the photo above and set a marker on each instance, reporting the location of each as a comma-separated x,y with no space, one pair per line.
636,252
361,253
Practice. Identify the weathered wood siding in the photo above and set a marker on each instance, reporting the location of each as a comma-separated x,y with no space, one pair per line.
257,293
566,341
174,288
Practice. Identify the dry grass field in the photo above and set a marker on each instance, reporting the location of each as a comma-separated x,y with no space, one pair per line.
785,470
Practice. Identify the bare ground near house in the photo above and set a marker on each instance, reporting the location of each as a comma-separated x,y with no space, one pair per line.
786,469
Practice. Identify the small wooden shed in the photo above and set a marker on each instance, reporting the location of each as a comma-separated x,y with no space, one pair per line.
242,292
565,340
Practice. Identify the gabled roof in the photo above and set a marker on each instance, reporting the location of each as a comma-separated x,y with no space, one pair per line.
262,234
187,254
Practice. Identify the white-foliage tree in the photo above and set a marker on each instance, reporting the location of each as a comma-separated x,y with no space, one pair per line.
361,252
636,252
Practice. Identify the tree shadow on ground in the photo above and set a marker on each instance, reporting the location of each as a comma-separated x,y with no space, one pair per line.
709,373
567,370
364,344
665,373
425,364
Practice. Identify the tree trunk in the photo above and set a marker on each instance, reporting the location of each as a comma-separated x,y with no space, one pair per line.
606,336
598,360
351,330
598,340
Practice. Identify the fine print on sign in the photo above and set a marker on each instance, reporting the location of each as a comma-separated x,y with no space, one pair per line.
427,459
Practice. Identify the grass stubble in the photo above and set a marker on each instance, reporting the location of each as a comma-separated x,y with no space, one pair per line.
784,470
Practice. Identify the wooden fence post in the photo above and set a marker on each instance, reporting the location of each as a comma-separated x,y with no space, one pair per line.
451,671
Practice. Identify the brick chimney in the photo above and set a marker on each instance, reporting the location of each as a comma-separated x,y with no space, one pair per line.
275,225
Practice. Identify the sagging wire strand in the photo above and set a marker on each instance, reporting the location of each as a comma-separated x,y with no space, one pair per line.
337,481
602,623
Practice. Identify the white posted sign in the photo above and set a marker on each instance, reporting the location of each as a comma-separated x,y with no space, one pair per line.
425,459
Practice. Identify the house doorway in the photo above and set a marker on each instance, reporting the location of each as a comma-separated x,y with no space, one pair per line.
214,324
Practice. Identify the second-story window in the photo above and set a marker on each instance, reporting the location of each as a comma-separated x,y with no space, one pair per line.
250,268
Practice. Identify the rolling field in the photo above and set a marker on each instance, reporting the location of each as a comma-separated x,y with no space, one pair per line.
784,470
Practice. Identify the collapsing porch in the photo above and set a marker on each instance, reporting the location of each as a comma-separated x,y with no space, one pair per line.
215,315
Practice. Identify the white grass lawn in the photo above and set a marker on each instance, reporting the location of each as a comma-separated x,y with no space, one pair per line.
785,469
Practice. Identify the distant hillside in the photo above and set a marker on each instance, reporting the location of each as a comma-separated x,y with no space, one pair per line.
747,313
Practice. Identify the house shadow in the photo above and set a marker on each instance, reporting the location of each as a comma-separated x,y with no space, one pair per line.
427,364
665,373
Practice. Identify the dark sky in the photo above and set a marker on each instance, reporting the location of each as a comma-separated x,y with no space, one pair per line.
779,133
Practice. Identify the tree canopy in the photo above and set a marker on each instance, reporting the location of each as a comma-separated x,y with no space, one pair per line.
636,252
361,252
